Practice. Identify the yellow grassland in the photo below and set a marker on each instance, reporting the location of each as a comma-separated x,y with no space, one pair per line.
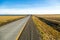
53,17
47,32
5,19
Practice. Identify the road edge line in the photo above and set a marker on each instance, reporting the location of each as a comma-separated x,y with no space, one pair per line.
21,30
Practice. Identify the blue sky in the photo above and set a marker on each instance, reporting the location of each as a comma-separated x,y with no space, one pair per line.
28,6
23,3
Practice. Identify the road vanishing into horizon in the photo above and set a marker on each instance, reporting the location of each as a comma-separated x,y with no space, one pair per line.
11,31
23,29
30,32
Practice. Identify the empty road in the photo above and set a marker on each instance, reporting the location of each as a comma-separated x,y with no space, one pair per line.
10,31
30,32
26,29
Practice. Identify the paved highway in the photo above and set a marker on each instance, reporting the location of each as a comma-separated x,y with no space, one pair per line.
30,32
11,30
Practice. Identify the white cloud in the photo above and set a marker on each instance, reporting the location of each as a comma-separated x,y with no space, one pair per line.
30,11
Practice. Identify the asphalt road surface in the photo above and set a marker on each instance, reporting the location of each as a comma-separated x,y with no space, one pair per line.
30,32
11,30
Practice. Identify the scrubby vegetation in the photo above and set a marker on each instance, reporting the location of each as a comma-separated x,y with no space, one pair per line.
52,23
8,19
46,32
53,17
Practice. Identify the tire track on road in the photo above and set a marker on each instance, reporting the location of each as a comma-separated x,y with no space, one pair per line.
30,32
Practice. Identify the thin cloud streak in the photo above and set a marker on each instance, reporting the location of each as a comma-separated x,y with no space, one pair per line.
29,11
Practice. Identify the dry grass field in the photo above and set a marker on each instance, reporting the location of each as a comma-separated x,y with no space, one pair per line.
7,19
53,20
46,32
51,16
